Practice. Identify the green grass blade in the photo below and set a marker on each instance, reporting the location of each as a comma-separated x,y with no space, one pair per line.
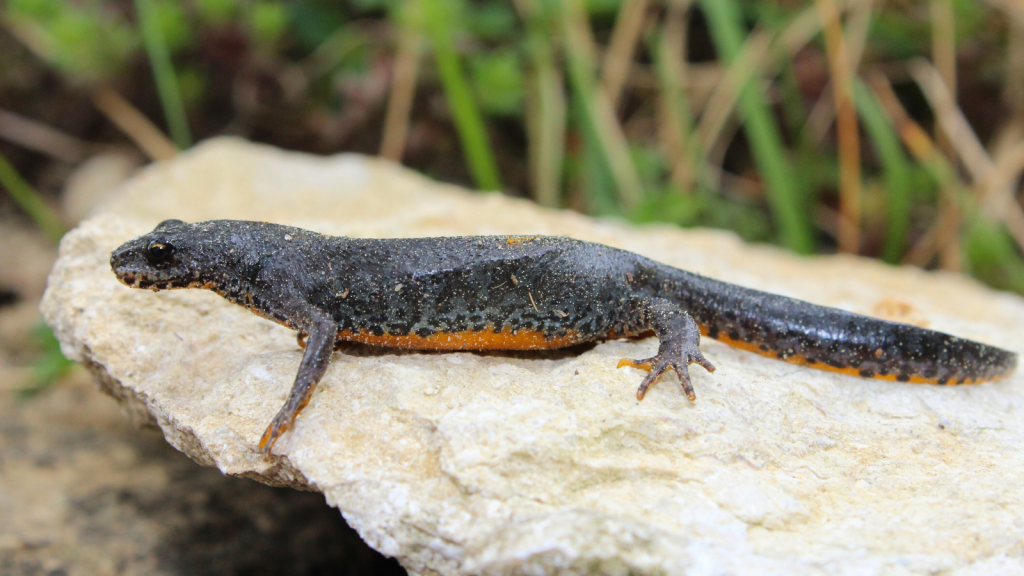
49,366
598,182
468,121
784,193
30,201
992,254
551,128
163,73
896,168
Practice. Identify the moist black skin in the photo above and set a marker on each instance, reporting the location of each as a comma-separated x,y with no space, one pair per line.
519,293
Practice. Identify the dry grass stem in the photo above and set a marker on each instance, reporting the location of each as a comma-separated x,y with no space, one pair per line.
944,57
550,133
951,120
822,115
754,59
400,97
960,140
619,56
847,131
942,237
858,26
945,227
722,102
619,157
615,148
545,109
37,136
943,231
1013,8
134,125
913,136
674,129
715,156
823,112
996,192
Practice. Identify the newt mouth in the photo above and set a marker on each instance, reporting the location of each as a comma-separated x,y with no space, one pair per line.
130,274
133,281
144,283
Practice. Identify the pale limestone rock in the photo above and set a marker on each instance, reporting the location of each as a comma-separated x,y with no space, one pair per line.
465,463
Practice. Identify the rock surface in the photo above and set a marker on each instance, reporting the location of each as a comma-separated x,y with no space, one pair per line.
466,463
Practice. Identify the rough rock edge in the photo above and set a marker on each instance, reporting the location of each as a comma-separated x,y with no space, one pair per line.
142,414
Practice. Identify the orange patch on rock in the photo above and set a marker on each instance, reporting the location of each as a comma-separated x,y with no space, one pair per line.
629,362
898,311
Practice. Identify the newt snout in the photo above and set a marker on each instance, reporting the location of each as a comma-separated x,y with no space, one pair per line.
171,256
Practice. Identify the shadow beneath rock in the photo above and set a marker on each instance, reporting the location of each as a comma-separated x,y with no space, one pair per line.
237,526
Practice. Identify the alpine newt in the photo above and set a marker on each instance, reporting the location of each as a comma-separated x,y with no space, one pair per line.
520,293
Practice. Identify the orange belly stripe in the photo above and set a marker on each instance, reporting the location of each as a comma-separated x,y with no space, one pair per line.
487,339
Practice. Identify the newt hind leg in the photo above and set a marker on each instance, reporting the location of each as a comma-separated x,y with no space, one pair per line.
678,337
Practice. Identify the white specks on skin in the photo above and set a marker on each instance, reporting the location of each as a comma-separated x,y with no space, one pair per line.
287,236
398,287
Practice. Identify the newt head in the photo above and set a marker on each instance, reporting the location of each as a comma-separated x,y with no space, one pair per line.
168,257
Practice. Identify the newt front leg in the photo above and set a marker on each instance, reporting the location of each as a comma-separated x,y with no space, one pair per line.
678,337
319,346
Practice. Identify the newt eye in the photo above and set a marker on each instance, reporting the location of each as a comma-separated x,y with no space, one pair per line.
158,252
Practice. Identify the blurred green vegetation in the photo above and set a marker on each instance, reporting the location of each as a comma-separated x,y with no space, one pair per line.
892,130
49,364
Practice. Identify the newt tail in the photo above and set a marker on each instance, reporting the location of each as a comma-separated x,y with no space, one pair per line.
832,339
520,293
